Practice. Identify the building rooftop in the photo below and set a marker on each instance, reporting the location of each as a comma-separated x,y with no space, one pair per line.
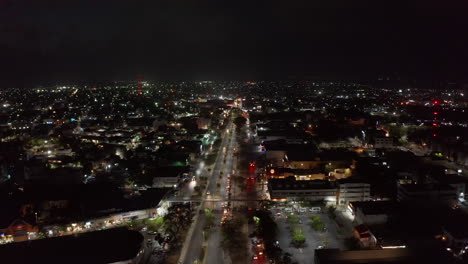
108,246
385,256
351,180
426,187
450,179
375,207
291,184
456,224
302,155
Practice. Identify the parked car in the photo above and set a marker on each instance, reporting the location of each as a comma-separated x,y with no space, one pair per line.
315,209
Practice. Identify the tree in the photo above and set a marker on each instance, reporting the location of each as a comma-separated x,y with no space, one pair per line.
155,224
240,121
298,240
267,229
209,217
210,159
331,212
317,225
232,236
292,219
256,221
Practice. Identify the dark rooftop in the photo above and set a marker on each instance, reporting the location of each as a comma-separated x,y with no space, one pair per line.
375,207
426,187
302,155
456,224
450,179
385,256
291,184
106,246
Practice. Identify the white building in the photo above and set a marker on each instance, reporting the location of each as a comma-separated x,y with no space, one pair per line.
371,212
165,182
383,142
352,191
290,189
315,190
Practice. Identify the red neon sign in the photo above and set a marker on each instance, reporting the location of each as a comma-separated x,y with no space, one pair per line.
139,84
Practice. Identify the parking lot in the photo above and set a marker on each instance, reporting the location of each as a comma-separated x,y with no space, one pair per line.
329,238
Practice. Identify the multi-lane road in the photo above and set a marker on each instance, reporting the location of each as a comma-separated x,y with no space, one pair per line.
194,242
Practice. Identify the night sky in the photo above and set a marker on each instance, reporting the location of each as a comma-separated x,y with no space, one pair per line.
48,40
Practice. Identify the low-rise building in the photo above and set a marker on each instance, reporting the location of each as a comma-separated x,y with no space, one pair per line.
371,212
340,173
455,231
365,236
455,181
117,245
426,193
387,256
291,189
351,190
302,160
383,142
168,177
298,174
295,188
18,230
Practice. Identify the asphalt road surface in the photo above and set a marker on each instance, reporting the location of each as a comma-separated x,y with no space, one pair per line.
194,247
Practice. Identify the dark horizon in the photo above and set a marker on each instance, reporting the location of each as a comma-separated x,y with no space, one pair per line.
88,40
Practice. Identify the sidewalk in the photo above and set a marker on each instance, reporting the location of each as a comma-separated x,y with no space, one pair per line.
343,223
